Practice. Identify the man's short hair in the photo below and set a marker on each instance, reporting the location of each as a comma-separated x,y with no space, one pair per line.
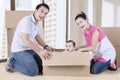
42,4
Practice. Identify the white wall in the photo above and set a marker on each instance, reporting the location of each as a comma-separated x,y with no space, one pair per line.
3,33
74,33
110,13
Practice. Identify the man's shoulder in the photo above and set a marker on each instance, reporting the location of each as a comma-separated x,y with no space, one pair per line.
28,17
25,19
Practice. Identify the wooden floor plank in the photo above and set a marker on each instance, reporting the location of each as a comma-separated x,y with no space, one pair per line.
106,75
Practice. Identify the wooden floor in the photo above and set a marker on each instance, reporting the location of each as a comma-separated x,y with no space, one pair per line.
107,75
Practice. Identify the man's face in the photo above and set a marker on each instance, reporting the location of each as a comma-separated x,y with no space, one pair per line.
41,13
69,46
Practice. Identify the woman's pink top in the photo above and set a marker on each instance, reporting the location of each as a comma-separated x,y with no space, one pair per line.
89,36
104,50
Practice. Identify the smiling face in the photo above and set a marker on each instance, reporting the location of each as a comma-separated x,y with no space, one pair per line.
81,23
69,46
40,13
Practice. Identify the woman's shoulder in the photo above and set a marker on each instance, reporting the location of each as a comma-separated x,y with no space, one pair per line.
93,27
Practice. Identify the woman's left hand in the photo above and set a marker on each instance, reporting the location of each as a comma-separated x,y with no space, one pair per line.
79,50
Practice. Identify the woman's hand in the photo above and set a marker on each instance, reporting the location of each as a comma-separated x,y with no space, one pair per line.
77,48
82,50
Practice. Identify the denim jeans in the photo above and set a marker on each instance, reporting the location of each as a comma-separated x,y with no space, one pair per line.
98,67
27,62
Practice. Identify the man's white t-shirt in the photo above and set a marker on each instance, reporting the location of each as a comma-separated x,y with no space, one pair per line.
26,25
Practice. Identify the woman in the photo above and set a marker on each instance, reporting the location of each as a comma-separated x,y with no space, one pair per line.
99,44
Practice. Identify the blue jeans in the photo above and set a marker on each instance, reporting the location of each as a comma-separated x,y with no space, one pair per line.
98,67
27,62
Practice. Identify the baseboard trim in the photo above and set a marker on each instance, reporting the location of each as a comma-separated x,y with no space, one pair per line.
3,60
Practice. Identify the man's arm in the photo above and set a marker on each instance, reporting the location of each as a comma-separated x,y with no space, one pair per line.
40,40
46,54
42,43
29,43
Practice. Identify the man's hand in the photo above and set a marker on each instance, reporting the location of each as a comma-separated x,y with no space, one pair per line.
50,48
45,54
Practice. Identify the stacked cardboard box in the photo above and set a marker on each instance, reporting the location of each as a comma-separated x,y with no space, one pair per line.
12,19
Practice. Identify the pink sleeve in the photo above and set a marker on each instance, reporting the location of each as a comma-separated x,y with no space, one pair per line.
101,33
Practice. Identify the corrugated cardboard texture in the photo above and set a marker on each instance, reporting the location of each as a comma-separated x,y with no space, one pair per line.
69,59
68,64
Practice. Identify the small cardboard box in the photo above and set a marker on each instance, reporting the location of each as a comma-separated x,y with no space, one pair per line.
68,63
68,59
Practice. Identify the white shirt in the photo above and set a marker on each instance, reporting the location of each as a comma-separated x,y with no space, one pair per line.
105,50
26,25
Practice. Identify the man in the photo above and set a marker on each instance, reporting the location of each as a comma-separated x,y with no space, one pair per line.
25,54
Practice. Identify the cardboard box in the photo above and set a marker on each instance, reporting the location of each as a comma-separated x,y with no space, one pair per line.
66,70
68,59
12,19
68,64
113,33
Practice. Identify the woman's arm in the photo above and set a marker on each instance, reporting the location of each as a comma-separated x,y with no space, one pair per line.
78,47
94,43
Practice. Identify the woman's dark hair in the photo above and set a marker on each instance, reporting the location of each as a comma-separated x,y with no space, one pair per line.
72,42
81,15
42,4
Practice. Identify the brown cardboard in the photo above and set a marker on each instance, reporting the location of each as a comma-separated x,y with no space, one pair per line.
68,64
66,70
68,59
10,33
13,17
113,34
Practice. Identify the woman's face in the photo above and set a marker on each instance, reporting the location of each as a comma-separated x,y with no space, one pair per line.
81,23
